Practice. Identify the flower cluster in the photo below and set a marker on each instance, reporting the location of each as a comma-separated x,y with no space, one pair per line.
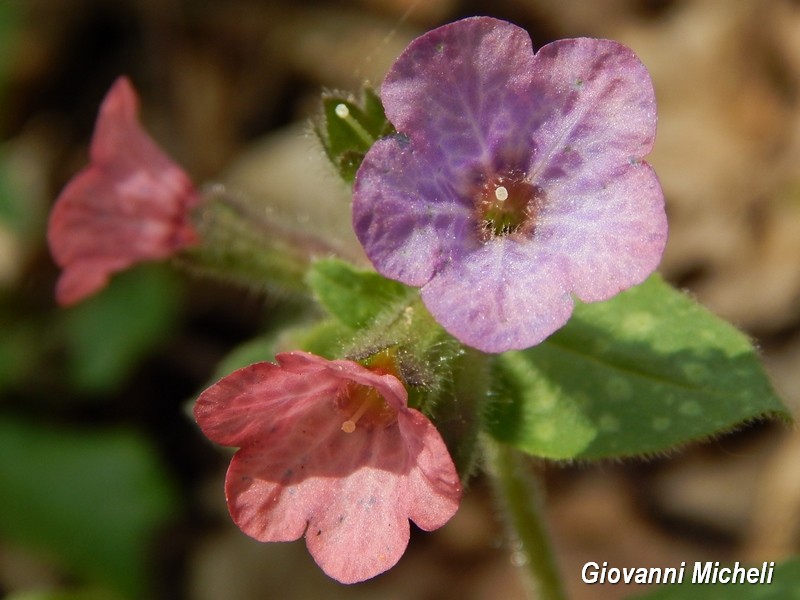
516,179
515,183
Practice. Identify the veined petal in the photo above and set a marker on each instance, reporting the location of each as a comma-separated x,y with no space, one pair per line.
129,205
509,294
351,491
609,230
461,87
258,400
602,109
407,212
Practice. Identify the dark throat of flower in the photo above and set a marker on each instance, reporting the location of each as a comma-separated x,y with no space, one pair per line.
363,406
507,205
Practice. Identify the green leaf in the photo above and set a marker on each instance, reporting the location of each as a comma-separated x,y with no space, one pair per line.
92,500
643,372
785,585
355,297
108,334
326,338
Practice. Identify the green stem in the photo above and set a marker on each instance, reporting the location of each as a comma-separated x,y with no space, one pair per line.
521,496
242,241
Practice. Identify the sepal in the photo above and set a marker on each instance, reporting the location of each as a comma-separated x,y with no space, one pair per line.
348,128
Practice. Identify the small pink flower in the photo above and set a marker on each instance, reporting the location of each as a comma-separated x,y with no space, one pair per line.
331,450
131,204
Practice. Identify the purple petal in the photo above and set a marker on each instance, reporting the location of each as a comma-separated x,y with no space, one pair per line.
602,113
407,213
563,131
507,295
463,87
609,232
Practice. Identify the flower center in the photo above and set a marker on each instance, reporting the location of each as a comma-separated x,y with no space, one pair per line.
363,406
506,205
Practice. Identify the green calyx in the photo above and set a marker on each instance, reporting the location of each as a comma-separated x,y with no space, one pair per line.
348,127
241,241
379,320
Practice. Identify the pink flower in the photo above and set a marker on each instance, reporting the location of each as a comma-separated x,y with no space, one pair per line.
131,204
331,450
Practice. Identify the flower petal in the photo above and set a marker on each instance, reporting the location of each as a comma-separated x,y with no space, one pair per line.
365,529
406,212
610,232
275,485
602,111
433,488
507,295
463,87
346,491
351,493
304,363
563,131
259,400
129,205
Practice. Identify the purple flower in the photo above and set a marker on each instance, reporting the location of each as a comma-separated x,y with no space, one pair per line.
515,182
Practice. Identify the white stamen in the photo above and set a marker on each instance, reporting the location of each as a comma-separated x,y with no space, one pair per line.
501,193
342,111
349,426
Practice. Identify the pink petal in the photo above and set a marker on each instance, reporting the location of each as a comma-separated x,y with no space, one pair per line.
259,400
129,205
297,472
432,488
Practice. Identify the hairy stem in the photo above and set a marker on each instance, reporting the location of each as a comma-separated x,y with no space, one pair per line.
520,495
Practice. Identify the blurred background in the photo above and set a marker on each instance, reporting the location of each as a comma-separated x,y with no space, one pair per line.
107,489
